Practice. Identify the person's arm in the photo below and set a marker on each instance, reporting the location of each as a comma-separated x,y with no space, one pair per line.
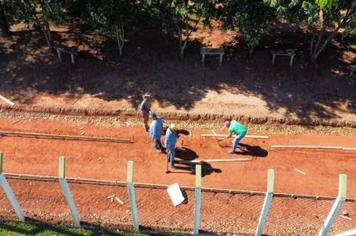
139,109
230,134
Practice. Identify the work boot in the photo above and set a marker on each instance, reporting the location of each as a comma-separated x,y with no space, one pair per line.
170,166
232,152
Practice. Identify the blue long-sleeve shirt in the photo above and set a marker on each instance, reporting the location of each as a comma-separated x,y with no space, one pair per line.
171,138
155,131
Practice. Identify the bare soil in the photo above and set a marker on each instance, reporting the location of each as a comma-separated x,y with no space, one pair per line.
101,81
31,75
104,160
221,212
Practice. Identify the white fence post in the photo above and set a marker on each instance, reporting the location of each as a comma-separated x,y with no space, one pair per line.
267,203
68,196
132,196
336,206
197,199
9,194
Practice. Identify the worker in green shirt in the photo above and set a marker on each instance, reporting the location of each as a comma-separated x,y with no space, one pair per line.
238,129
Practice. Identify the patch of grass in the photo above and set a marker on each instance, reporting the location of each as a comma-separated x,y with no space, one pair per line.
15,228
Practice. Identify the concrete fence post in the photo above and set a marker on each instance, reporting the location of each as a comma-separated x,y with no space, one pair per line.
67,194
9,194
267,202
132,197
339,201
197,199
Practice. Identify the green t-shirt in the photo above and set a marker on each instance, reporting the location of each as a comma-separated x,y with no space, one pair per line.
237,128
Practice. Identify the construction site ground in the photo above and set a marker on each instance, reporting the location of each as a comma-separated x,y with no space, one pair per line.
31,75
224,213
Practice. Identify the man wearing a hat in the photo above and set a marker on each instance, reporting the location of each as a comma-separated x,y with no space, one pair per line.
145,108
171,139
155,131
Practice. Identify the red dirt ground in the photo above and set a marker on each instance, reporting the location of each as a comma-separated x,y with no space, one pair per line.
220,212
31,75
109,160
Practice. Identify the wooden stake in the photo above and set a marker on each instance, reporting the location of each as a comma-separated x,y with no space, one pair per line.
302,172
119,200
214,160
7,100
224,136
314,147
346,217
64,136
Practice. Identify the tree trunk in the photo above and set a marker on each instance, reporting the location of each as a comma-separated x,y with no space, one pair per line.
250,51
121,47
45,28
120,37
48,30
182,48
312,45
44,31
321,43
4,24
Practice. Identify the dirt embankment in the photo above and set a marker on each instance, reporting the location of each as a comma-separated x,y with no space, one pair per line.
180,116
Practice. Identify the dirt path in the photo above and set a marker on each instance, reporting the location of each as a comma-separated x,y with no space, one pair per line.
221,212
108,160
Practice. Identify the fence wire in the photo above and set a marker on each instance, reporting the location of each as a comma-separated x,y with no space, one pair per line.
224,213
221,213
297,216
157,212
42,201
104,205
346,219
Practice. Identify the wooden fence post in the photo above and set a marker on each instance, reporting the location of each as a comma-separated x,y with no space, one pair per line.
131,191
339,201
197,199
67,194
9,193
266,203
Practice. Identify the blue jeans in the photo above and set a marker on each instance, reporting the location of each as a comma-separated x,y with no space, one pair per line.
158,144
170,154
236,141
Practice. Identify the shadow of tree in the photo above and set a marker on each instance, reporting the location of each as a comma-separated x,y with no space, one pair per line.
151,64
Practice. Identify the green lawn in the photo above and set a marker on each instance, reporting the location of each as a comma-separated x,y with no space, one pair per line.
36,228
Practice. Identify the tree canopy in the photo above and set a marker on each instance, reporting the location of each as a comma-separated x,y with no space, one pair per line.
179,18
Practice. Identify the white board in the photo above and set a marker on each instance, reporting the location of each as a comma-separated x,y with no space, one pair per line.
175,194
347,233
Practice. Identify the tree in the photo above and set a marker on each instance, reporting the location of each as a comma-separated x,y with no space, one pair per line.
181,17
38,12
323,17
113,17
4,25
250,17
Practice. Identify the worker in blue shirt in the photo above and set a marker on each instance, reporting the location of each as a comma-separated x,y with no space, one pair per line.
155,131
171,139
